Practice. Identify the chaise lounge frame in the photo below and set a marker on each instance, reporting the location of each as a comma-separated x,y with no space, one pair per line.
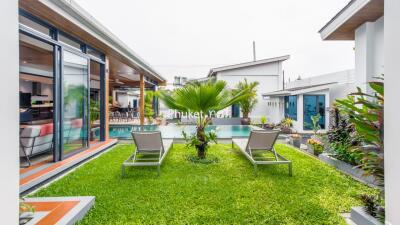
148,143
245,146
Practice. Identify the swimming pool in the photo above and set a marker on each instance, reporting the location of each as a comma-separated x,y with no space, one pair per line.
173,131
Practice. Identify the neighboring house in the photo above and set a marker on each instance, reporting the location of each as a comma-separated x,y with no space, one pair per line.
268,72
302,99
179,81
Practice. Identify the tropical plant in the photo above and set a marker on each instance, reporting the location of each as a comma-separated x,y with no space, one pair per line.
342,137
94,111
148,105
263,120
365,112
287,122
250,89
202,100
315,123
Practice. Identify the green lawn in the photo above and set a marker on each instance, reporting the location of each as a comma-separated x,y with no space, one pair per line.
222,193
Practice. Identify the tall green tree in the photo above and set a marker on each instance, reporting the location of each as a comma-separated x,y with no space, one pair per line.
202,100
250,89
148,105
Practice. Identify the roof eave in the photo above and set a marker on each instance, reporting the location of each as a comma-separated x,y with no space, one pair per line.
343,25
248,64
84,18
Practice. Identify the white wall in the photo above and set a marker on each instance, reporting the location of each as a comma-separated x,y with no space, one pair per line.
268,75
392,108
341,77
369,58
9,117
124,99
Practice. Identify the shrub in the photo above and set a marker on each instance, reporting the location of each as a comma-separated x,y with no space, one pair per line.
342,137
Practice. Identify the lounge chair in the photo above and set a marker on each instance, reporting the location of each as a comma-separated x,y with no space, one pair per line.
148,144
261,141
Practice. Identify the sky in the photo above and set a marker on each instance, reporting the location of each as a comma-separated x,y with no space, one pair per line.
188,38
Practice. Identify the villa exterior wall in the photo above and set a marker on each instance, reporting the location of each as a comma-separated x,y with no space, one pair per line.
369,53
392,107
9,119
345,84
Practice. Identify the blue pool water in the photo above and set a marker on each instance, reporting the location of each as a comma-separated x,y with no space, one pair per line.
172,131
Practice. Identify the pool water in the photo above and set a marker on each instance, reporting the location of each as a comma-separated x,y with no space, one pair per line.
172,131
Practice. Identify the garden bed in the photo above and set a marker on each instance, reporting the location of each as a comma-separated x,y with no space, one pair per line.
346,168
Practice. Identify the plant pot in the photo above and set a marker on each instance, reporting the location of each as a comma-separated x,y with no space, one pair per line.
25,217
286,130
310,149
296,142
92,135
245,121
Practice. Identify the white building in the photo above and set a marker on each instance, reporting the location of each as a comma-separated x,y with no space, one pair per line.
374,27
304,98
363,22
268,72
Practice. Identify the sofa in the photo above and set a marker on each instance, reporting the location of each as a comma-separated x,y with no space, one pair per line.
35,139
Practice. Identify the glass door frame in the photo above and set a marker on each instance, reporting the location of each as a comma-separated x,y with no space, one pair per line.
317,109
86,106
58,48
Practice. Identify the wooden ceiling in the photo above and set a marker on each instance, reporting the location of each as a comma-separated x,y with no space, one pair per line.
119,67
369,13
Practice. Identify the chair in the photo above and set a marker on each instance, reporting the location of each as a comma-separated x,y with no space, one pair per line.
148,144
261,141
35,139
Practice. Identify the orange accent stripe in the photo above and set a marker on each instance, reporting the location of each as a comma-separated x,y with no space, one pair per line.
57,210
27,169
64,162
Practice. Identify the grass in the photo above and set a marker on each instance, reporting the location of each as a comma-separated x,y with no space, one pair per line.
220,193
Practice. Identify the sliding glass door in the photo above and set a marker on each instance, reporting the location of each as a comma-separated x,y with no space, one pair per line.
313,105
75,106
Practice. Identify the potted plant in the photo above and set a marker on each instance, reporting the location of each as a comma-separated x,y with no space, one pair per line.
246,104
315,146
148,106
286,125
25,212
94,116
202,100
263,121
296,139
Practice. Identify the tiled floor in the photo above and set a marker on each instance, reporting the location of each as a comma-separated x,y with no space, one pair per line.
59,210
42,171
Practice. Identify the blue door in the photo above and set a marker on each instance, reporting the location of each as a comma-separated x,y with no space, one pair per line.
313,104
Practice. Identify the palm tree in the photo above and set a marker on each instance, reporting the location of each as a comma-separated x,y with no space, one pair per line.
247,104
202,99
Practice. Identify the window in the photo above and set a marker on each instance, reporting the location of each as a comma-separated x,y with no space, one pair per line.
235,111
291,107
95,53
69,41
313,104
34,25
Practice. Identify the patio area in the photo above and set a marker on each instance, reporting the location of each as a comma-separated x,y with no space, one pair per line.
226,192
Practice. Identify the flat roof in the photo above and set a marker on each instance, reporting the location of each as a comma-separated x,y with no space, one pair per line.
299,90
248,64
343,25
